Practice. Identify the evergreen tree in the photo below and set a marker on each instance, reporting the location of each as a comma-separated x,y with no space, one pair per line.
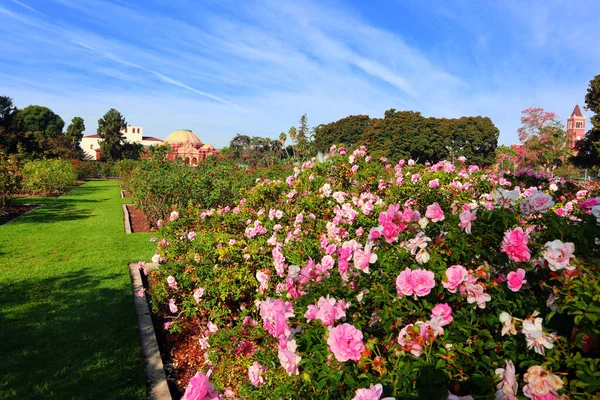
109,129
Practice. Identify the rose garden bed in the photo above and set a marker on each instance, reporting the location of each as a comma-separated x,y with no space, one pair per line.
13,211
355,278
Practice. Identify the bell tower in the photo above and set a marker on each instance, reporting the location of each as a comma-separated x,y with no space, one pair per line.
575,127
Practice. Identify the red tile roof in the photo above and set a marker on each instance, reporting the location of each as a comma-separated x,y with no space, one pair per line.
153,139
95,136
576,112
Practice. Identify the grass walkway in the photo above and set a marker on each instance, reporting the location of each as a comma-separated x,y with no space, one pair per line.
67,323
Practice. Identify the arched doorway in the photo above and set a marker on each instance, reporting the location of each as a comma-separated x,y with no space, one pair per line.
187,160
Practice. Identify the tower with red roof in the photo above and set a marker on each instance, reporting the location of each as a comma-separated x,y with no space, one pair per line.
575,127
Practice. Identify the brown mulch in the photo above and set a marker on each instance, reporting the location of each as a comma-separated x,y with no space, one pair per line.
55,193
180,352
15,211
138,220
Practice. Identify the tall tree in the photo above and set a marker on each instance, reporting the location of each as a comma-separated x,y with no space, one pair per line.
8,137
109,129
533,122
293,135
302,135
588,149
346,132
75,131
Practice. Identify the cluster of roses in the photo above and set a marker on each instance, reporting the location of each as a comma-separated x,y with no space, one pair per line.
355,259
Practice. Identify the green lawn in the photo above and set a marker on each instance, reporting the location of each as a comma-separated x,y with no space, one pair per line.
67,323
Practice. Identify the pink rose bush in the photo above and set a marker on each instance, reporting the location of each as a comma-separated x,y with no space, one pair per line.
359,278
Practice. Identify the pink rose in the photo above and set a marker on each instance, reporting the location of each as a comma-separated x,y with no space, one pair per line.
345,342
589,203
199,388
191,235
171,281
559,255
422,282
516,279
288,358
172,306
434,183
374,392
537,202
514,245
442,314
434,212
456,275
198,294
275,314
414,336
466,217
404,283
255,374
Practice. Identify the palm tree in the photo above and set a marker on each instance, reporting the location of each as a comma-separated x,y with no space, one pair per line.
292,132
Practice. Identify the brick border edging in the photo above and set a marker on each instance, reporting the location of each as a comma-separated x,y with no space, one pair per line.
155,373
126,220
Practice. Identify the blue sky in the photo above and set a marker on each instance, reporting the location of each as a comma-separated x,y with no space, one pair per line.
254,67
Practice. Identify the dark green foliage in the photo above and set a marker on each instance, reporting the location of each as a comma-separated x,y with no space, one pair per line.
347,131
109,129
407,134
39,119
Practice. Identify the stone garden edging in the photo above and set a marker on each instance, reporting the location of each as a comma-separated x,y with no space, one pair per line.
155,373
126,220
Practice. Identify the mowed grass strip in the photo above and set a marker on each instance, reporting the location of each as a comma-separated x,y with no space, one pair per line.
67,323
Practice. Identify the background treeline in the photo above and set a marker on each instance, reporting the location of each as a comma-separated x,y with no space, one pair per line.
408,134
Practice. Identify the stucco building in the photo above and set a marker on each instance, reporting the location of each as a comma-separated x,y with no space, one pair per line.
132,134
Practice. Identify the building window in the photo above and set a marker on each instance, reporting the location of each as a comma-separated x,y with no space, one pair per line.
579,124
570,125
91,147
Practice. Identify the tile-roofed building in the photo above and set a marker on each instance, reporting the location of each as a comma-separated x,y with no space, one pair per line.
133,134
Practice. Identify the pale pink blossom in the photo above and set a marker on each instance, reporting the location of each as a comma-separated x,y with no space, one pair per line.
466,218
508,324
174,215
414,336
171,281
198,293
455,397
199,388
288,358
536,202
508,386
255,374
434,212
374,392
203,341
559,255
141,292
212,327
345,342
541,384
455,275
172,306
515,280
475,294
434,183
535,336
191,235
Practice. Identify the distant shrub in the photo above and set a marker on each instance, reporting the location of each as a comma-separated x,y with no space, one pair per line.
124,168
160,185
83,169
48,176
10,180
102,169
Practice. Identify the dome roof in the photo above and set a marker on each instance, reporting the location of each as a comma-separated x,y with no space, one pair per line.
208,147
183,136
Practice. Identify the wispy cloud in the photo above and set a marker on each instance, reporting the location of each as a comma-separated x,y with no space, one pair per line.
254,67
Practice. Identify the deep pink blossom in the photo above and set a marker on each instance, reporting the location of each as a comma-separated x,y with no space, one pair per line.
516,279
514,245
199,388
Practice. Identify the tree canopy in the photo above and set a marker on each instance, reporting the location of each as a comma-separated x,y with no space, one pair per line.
407,134
39,119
